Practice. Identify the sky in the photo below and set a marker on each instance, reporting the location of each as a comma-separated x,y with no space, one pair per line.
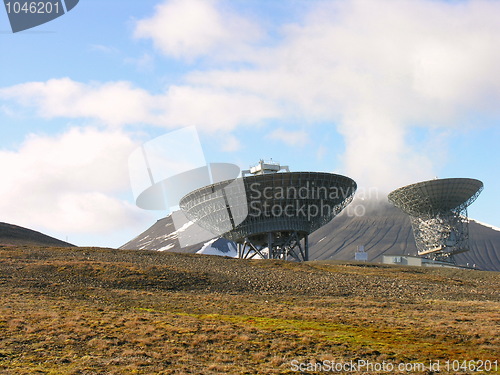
386,92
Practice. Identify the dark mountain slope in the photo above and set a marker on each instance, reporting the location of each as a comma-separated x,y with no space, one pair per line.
384,229
15,235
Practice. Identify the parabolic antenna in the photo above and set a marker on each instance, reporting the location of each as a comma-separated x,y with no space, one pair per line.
271,213
438,212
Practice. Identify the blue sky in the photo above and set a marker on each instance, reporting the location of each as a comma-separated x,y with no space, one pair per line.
388,93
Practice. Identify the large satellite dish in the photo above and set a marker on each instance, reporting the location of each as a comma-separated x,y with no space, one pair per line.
270,213
438,212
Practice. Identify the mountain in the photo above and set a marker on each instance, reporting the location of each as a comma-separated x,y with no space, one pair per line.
381,229
15,235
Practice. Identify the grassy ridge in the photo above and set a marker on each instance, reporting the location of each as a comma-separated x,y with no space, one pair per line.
100,311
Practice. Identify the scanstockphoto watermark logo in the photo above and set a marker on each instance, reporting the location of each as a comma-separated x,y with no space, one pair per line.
165,169
384,367
365,198
308,201
25,14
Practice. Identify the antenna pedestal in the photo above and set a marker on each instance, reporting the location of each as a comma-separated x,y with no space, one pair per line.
289,245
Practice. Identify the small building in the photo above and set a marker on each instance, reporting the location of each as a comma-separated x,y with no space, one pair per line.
265,167
402,260
409,260
361,254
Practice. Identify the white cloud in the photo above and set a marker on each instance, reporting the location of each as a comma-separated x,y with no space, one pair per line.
291,138
145,62
214,109
230,143
68,183
113,103
375,69
192,28
102,48
119,103
321,152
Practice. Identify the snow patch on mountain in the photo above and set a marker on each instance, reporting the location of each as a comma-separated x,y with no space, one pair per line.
184,227
219,246
165,248
222,247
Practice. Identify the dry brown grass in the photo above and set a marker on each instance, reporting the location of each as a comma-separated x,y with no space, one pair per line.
62,313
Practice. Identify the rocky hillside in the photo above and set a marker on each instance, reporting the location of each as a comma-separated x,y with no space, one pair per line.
15,235
107,311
